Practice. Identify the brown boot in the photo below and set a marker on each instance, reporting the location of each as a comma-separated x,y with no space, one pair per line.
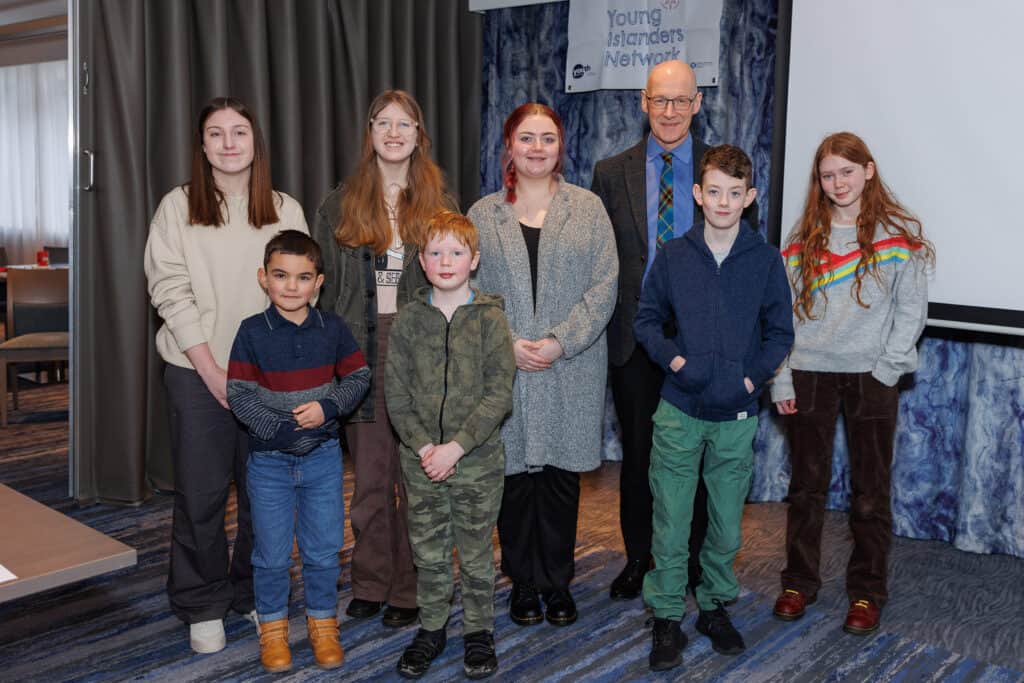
323,637
274,653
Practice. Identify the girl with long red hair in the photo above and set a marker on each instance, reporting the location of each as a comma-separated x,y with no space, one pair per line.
368,228
858,266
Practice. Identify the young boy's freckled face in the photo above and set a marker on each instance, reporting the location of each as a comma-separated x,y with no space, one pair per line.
448,262
291,281
723,198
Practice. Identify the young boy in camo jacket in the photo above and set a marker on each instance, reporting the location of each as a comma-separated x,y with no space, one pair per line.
448,384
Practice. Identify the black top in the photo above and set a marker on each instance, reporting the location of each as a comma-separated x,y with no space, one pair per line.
531,236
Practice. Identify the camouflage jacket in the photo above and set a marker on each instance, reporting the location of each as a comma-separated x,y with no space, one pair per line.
450,381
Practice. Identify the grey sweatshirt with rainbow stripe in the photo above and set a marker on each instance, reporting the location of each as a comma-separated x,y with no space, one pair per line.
847,337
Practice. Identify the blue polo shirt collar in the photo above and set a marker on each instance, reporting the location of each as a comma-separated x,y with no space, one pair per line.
275,320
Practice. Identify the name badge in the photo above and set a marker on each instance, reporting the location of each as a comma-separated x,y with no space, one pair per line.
741,416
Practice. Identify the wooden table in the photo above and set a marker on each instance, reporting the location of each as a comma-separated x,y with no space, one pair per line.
29,266
46,549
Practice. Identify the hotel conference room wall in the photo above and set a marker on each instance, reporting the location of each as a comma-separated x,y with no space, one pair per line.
309,70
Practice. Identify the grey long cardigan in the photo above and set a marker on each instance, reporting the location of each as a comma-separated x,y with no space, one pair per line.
557,413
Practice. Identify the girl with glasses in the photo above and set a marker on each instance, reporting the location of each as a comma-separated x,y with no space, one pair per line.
369,227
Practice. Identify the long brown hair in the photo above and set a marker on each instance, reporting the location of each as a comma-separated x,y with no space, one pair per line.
205,198
877,207
511,123
364,214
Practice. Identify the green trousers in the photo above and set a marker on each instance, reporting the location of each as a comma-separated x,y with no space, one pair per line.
680,441
458,512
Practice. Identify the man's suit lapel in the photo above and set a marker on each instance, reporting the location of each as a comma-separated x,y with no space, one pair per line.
698,153
635,172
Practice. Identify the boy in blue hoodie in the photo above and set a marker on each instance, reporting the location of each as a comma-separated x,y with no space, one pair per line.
727,291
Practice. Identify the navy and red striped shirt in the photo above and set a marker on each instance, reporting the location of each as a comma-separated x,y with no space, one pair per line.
277,365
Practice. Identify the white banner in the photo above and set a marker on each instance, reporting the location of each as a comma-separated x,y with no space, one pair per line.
482,6
614,43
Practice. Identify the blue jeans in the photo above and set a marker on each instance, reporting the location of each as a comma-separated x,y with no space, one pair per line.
300,497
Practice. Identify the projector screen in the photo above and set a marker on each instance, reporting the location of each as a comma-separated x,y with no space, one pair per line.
935,89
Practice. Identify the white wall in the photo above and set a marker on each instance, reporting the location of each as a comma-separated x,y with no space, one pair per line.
935,88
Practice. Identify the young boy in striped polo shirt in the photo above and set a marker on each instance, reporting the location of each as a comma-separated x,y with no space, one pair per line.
294,373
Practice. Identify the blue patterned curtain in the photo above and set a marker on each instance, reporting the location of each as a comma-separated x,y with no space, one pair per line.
958,474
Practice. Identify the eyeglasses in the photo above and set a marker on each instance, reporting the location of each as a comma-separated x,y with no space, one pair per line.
681,103
405,126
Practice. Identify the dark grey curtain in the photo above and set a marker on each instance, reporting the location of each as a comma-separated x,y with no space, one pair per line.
309,69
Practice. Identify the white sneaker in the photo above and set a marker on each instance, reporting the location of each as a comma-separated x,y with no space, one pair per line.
207,637
254,619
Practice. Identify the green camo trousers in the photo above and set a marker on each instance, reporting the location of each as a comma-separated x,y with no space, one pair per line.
679,443
461,512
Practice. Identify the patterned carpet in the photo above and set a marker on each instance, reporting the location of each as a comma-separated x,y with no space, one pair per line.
954,616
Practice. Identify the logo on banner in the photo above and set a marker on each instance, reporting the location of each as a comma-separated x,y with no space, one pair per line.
580,70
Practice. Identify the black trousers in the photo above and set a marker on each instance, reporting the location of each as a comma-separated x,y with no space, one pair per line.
537,527
209,447
636,390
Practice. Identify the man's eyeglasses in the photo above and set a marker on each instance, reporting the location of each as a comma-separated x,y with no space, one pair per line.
405,126
681,103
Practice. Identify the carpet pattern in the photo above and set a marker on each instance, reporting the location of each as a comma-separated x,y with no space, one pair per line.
609,643
953,615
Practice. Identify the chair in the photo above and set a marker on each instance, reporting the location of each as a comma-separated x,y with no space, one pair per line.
58,255
37,324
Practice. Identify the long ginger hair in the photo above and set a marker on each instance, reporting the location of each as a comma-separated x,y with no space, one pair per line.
205,198
877,207
364,213
508,170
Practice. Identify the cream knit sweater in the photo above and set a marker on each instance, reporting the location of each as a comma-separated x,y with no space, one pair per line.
202,279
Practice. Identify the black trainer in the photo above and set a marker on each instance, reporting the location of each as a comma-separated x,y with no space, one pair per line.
715,624
479,660
524,604
398,617
667,643
362,609
423,650
630,581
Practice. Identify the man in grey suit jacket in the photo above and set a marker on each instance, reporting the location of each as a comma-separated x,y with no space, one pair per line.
628,184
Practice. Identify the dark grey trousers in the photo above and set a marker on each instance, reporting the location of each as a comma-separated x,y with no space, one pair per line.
209,448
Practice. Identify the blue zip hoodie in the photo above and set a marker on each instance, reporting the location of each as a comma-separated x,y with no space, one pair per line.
733,321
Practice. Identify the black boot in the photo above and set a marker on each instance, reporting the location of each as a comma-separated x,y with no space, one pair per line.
561,608
524,604
630,581
667,643
715,624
